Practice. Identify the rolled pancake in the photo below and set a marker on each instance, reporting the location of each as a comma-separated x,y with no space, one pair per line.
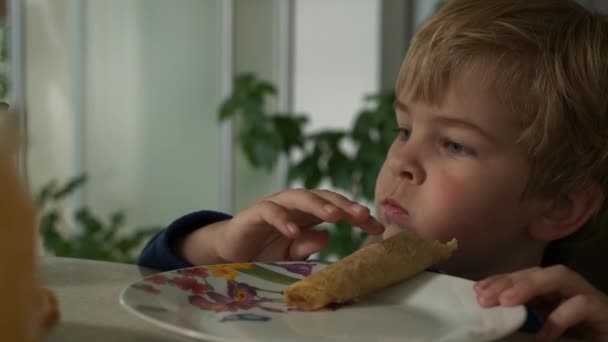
367,270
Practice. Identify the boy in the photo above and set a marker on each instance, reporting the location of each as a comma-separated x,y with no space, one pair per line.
502,143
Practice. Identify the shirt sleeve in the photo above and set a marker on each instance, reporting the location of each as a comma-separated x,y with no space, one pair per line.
159,252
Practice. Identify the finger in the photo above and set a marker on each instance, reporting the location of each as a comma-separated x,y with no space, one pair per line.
489,290
311,242
354,213
353,209
310,204
273,214
566,315
489,296
555,279
328,206
372,226
485,283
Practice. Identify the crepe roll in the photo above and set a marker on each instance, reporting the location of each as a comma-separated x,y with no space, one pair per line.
367,270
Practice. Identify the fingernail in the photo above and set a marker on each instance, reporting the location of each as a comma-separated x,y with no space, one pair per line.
487,282
330,208
480,285
292,228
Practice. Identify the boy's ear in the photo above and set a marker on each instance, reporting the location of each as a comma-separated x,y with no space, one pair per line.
567,213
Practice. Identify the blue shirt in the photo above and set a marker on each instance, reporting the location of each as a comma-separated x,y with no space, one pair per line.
160,253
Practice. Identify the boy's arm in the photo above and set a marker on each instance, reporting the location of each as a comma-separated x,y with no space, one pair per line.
161,251
277,227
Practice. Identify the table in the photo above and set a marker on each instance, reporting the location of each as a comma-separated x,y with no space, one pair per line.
89,293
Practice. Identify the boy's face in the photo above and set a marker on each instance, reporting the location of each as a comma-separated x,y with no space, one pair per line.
455,170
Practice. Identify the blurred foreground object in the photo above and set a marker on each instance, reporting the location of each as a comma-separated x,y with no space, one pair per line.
27,310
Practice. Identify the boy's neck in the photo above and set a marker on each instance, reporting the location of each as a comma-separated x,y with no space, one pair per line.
527,256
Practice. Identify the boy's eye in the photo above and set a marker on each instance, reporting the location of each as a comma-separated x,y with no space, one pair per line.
458,149
403,133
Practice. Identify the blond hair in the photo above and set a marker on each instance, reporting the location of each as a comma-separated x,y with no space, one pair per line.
547,61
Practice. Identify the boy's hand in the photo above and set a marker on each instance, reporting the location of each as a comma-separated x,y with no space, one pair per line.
277,228
564,297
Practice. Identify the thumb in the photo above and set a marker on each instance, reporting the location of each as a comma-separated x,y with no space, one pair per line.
309,242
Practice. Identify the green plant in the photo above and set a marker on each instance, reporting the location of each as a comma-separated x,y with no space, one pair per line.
4,60
87,236
321,156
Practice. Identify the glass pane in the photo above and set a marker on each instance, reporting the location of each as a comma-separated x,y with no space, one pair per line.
127,91
153,79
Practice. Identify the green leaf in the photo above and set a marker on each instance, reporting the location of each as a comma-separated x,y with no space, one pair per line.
252,113
228,108
90,224
245,81
48,229
269,275
116,221
248,98
71,186
313,179
125,245
343,241
261,147
362,126
45,193
63,248
369,174
339,169
4,49
329,139
265,88
346,236
95,240
289,129
4,85
369,153
307,170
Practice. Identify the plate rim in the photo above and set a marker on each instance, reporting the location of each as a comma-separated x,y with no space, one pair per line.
518,310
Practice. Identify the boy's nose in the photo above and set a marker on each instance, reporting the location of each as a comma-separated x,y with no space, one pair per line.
405,165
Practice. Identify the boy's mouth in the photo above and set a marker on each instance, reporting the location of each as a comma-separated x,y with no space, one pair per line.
393,209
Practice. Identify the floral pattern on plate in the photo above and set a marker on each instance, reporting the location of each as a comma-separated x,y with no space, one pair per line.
236,302
240,296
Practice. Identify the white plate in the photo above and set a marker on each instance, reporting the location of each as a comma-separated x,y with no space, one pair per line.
243,302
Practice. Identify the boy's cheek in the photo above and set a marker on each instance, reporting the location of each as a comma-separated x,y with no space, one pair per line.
453,212
381,180
442,220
